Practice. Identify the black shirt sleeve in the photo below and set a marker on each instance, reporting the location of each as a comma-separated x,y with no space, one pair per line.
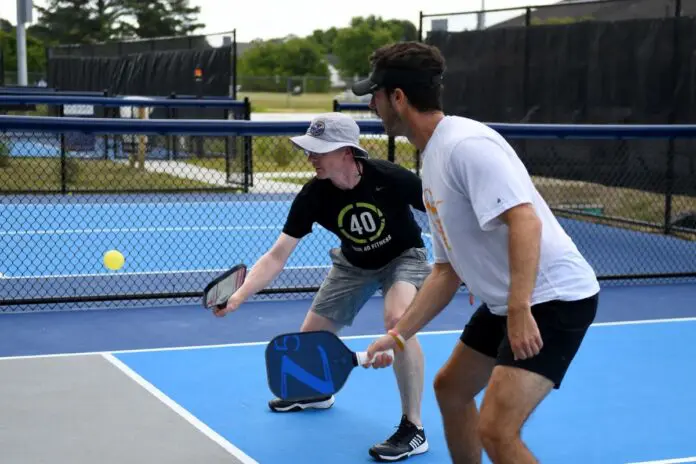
301,216
405,182
413,187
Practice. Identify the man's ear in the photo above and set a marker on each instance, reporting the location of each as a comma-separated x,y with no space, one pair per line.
398,99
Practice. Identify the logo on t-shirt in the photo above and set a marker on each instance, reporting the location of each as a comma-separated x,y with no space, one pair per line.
431,208
361,223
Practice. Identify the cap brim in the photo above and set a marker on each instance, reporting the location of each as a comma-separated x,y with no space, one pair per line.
363,87
315,145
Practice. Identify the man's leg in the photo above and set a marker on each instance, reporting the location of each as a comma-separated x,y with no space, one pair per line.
463,376
344,291
518,386
409,438
457,383
400,282
409,363
511,396
312,321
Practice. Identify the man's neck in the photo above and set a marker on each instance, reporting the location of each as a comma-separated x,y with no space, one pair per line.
421,127
347,180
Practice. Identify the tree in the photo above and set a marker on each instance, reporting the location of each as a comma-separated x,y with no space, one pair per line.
325,39
36,57
353,45
267,66
91,21
82,21
162,18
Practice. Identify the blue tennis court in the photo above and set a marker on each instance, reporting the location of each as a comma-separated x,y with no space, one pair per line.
627,398
186,242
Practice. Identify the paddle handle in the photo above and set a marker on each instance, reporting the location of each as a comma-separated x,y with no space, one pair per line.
362,356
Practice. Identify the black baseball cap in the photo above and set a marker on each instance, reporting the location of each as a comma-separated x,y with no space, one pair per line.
395,77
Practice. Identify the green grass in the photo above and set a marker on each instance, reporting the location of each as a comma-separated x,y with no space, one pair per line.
271,102
293,180
617,202
44,174
277,154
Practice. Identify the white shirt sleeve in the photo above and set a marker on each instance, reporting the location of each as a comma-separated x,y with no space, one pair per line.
492,178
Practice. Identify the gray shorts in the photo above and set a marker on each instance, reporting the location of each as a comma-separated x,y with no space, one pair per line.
347,288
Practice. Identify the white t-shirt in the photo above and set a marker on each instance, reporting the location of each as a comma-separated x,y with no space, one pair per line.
470,176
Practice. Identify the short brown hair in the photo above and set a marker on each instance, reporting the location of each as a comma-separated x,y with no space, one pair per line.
414,57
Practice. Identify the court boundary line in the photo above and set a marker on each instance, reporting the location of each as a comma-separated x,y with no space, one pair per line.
178,409
141,273
668,461
345,337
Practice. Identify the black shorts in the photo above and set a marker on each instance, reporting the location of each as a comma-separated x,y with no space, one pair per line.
562,325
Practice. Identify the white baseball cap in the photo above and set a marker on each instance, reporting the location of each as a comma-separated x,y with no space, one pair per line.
328,132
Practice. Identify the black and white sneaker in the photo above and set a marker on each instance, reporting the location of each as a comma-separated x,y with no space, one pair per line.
406,441
279,405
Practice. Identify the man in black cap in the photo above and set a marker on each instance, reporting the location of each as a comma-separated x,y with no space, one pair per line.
492,230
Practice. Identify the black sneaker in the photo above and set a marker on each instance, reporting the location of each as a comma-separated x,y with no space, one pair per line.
406,441
279,405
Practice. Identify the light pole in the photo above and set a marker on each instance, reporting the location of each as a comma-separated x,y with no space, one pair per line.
24,10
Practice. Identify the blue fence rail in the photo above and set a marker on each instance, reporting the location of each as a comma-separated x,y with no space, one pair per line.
625,193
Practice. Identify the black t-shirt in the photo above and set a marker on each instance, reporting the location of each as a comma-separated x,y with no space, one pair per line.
373,220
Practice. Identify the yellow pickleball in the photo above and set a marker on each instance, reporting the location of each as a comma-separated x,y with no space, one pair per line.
114,260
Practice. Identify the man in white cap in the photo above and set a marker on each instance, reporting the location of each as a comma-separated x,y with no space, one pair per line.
367,205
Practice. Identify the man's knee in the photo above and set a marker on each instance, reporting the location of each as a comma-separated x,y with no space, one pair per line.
494,429
463,376
397,300
452,390
445,386
314,321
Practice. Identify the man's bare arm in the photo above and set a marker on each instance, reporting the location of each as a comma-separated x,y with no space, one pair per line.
437,291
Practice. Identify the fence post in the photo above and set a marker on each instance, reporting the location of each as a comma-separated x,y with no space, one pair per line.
248,150
420,26
63,167
527,51
671,119
669,187
391,149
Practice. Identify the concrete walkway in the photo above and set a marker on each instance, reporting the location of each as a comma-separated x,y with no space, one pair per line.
263,181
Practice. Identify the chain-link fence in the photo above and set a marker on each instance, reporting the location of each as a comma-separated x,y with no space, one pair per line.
68,162
634,222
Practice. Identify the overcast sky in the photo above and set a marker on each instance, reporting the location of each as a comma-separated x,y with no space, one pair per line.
265,19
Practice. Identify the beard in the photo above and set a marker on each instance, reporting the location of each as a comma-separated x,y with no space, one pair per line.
393,125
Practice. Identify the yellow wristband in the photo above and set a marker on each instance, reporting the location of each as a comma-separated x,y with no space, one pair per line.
401,343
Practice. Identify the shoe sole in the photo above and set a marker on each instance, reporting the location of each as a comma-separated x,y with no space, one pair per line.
420,450
300,407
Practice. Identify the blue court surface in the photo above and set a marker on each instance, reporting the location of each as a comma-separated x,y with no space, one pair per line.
627,398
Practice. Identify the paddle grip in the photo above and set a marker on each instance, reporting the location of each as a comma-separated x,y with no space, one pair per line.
362,356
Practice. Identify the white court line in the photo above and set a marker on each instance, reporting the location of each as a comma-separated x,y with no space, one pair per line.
190,418
146,229
668,461
134,229
347,337
142,273
148,203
